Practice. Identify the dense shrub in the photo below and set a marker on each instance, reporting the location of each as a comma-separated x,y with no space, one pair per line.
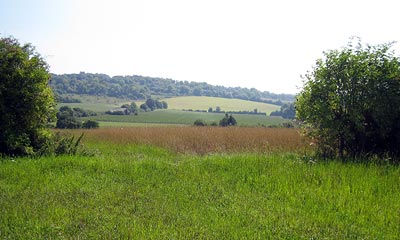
90,124
228,120
26,100
350,103
200,122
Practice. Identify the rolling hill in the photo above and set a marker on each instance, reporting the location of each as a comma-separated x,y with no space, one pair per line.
203,103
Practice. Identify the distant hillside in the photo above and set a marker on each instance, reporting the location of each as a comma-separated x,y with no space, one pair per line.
204,103
139,87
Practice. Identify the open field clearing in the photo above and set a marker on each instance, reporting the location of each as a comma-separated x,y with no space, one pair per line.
204,140
93,103
134,124
95,107
145,189
188,118
203,103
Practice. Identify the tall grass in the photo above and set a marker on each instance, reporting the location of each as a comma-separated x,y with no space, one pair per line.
142,192
203,140
142,187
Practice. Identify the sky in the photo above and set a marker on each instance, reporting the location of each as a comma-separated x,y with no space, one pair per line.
259,44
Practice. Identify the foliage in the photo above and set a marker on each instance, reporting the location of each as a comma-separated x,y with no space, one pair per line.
151,105
66,118
90,124
287,111
79,112
26,100
117,111
228,121
69,118
67,99
139,87
67,145
64,144
131,108
200,122
350,103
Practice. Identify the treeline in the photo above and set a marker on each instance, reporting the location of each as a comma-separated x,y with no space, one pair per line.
68,118
287,111
148,106
218,110
139,87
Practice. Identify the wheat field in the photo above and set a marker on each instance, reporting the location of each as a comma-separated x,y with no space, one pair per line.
204,140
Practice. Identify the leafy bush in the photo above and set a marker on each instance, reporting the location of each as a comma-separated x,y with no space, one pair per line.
89,124
66,118
228,120
26,100
200,122
350,103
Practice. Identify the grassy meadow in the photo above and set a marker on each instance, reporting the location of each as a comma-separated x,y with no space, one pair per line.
197,183
175,115
185,118
94,103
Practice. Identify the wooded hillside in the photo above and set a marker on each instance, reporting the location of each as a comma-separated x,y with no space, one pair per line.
139,87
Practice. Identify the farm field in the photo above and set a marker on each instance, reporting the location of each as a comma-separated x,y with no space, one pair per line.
102,104
93,103
197,183
175,115
203,103
187,118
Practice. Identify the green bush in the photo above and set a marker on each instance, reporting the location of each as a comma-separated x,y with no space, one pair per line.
200,122
89,124
26,100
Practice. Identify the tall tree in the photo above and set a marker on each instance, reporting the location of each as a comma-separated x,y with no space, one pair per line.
350,102
26,100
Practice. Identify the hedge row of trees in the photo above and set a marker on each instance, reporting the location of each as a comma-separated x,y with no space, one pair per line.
287,111
227,121
152,104
68,118
139,87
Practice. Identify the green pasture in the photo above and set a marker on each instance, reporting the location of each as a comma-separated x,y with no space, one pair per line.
144,192
188,118
134,124
226,104
95,103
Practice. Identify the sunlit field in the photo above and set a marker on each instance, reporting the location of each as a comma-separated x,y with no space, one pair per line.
197,183
203,140
186,118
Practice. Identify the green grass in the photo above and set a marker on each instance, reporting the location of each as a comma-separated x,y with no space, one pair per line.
144,192
133,124
203,103
188,118
95,107
94,103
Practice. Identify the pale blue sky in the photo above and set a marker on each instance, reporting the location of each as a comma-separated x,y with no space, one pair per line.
248,43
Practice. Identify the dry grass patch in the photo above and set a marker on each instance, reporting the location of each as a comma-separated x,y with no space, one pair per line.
203,140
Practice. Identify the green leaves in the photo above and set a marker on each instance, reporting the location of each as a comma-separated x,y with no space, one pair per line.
351,101
26,100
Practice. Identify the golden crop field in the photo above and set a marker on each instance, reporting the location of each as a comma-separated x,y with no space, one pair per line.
203,140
